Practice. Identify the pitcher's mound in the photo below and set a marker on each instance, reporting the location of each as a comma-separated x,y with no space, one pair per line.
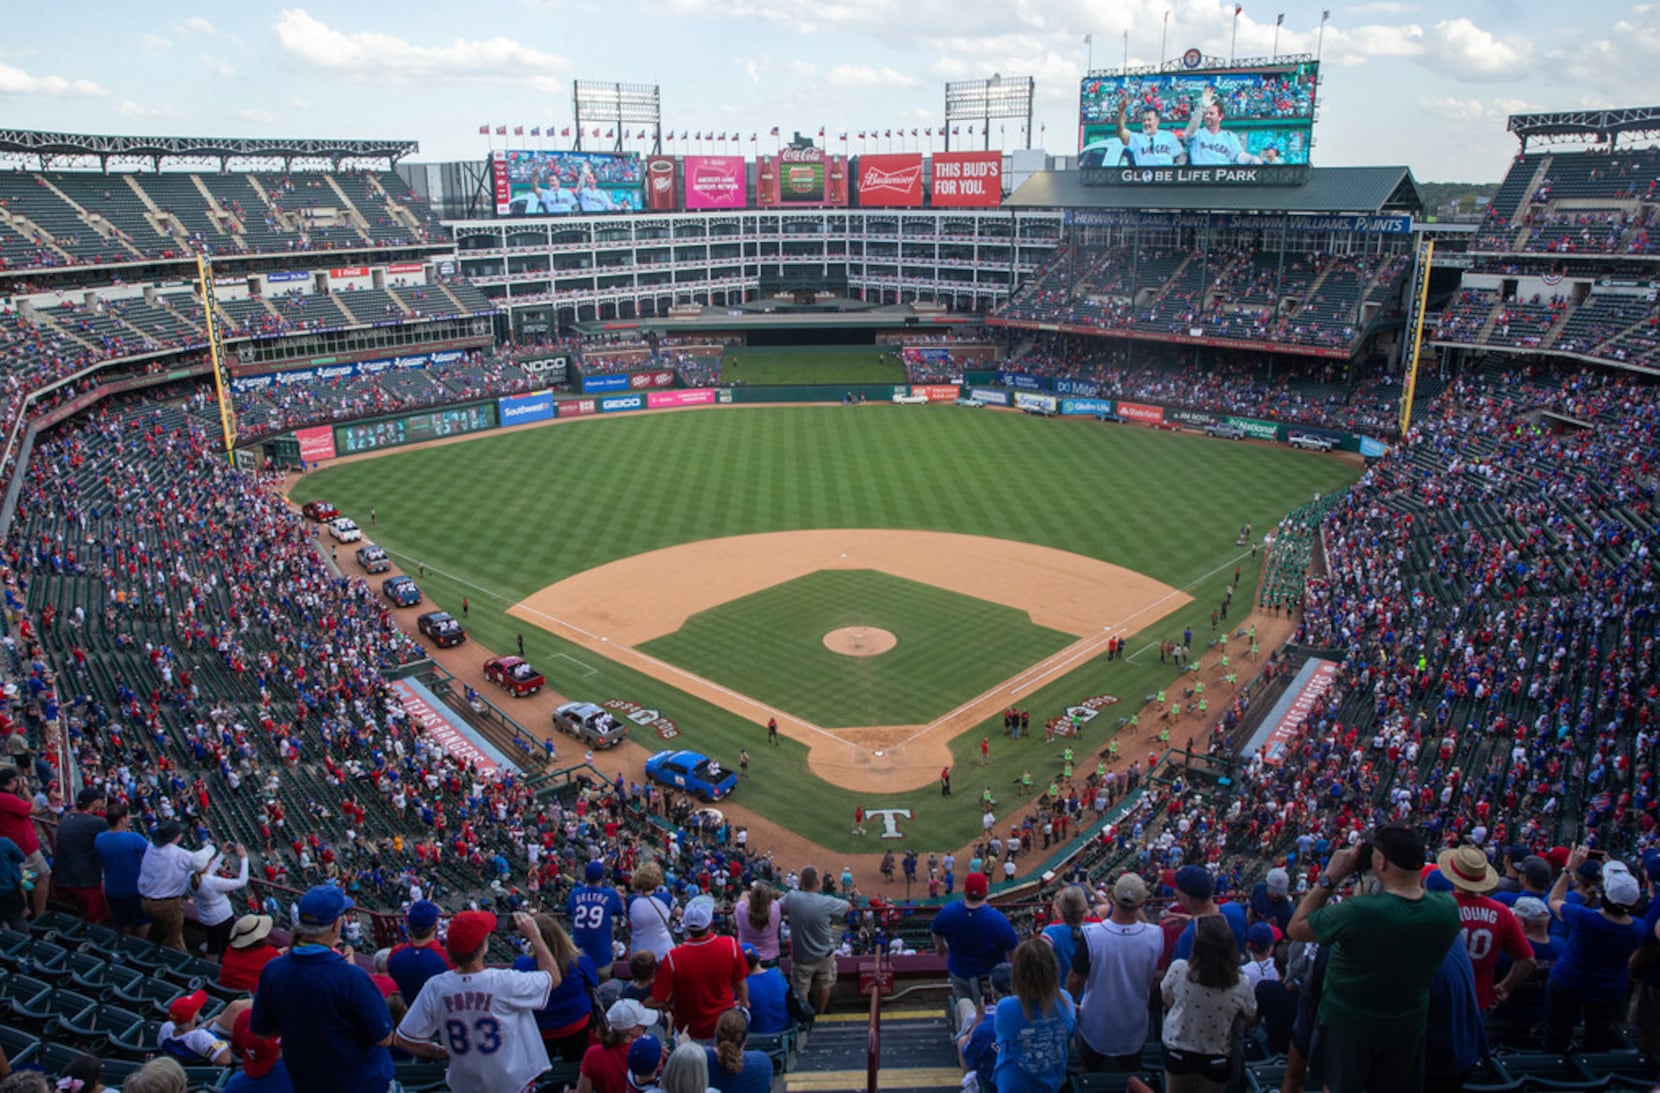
860,641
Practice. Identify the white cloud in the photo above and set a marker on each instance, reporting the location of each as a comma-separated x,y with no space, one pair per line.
154,44
219,68
867,76
1464,51
1383,7
1456,109
127,108
371,55
753,71
15,81
257,116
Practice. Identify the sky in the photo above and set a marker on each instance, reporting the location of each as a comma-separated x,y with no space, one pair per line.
1426,85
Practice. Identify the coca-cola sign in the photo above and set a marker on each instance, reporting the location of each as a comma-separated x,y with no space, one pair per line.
888,181
801,177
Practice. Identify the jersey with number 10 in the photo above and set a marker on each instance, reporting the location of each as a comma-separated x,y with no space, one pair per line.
487,1023
592,911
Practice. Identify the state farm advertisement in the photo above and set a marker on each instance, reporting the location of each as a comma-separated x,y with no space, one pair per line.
892,181
661,193
800,177
965,179
716,182
1135,411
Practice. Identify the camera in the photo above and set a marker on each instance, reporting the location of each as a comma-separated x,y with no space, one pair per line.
1363,858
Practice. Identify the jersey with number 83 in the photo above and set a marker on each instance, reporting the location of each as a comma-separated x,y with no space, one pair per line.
487,1023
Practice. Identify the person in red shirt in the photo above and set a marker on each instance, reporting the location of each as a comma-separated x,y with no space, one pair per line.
1488,926
17,824
247,953
702,977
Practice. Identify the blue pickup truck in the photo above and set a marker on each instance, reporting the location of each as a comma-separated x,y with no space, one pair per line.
692,772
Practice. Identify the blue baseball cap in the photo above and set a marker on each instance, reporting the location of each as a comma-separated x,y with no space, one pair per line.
1260,936
323,905
595,871
423,916
751,952
1195,882
1651,864
645,1055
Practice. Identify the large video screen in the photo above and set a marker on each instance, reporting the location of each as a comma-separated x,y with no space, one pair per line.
802,177
1203,126
566,183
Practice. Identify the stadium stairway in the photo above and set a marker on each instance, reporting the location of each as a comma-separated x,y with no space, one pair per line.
917,1054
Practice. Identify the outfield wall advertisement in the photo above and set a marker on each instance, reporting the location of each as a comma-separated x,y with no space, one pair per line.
967,180
1087,407
316,444
538,183
627,381
525,409
662,400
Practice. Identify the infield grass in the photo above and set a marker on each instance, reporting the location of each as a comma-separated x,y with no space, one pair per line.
770,645
501,516
832,365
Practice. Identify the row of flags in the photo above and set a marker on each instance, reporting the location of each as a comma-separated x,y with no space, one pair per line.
565,131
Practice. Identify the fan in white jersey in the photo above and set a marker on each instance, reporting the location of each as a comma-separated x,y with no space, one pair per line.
484,1018
1207,144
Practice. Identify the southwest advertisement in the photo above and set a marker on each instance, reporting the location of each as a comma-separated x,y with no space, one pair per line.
801,177
524,409
716,182
1204,127
967,180
562,183
890,181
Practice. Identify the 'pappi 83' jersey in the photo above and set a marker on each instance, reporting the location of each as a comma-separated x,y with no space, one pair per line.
487,1023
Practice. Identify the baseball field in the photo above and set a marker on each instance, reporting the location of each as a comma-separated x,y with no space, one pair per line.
884,580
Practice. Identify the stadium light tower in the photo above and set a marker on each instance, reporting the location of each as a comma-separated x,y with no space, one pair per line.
982,101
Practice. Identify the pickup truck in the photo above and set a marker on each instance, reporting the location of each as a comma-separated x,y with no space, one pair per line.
591,724
1224,431
1312,442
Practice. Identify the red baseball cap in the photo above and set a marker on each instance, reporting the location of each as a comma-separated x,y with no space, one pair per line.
975,886
259,1053
468,932
1558,857
187,1006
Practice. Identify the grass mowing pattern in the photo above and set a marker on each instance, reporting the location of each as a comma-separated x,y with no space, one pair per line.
818,364
500,516
770,645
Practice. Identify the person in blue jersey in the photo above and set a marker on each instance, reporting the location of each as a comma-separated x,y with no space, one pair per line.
1152,147
1034,1025
563,1022
594,907
412,963
1196,892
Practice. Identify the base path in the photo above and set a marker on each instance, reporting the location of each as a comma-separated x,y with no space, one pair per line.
612,608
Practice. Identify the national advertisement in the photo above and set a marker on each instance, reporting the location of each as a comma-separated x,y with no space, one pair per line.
612,381
890,181
524,409
716,182
1136,411
278,276
967,180
641,381
316,444
1087,388
801,177
937,392
405,267
991,396
577,407
1022,381
1089,407
349,271
662,400
662,184
538,183
1256,430
615,403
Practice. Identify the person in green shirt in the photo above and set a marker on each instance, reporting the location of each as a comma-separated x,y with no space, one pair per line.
1385,947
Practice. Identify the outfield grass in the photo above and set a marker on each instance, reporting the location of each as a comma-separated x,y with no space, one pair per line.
770,645
499,517
818,364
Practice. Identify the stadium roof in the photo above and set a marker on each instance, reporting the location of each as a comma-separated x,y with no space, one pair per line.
52,148
1327,190
1636,122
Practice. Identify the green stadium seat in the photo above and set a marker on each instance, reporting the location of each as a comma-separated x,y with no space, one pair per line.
20,1047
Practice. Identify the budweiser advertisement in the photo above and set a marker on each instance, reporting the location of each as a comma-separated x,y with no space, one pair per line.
964,179
801,177
716,182
890,181
662,193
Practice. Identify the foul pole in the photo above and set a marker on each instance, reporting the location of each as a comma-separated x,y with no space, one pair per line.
216,355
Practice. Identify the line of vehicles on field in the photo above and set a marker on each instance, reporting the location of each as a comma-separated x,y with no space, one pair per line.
689,771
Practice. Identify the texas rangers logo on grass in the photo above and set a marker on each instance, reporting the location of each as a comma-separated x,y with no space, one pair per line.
889,818
644,715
